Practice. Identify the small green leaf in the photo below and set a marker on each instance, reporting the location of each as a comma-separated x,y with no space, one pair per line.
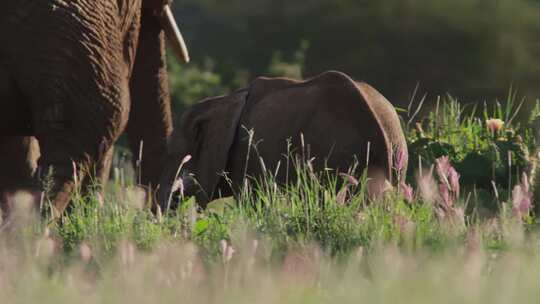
400,110
201,226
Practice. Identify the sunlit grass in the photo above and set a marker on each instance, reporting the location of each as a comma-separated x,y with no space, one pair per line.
273,244
389,253
323,238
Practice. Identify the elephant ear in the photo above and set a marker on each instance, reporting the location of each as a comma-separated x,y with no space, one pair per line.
206,132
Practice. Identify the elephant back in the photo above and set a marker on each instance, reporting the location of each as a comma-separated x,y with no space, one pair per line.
380,122
334,103
389,121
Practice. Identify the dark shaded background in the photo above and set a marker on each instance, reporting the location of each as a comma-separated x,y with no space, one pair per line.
473,49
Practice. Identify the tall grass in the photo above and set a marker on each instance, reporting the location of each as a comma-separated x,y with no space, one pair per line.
385,251
322,238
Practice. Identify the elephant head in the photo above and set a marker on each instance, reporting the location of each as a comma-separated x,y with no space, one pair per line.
201,143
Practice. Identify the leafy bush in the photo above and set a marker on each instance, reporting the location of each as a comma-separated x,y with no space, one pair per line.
192,83
489,148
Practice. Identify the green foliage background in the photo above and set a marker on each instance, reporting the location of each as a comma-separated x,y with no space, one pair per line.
475,49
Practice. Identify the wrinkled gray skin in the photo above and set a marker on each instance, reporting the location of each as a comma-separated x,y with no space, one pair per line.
340,120
74,75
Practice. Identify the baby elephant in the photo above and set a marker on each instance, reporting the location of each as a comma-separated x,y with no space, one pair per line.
330,119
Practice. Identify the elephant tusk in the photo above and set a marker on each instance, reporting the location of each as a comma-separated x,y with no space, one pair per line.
173,34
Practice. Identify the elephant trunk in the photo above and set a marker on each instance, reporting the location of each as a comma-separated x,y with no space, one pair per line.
174,36
150,118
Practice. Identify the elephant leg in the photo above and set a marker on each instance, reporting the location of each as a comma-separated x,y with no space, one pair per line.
69,154
18,162
97,181
77,135
150,122
75,76
103,169
76,125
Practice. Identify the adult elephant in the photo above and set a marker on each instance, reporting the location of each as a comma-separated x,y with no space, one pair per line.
340,121
75,74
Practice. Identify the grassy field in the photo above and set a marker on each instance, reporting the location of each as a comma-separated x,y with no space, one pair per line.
443,235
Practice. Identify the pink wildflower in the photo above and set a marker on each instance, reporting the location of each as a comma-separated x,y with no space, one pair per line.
349,178
400,160
349,181
227,251
445,196
85,252
522,197
453,179
449,178
521,201
407,191
443,167
494,124
427,186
